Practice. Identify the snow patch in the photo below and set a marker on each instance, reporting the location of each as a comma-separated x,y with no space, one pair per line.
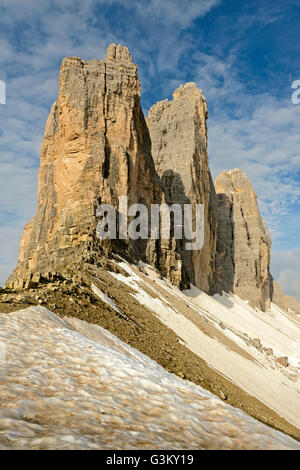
105,298
68,384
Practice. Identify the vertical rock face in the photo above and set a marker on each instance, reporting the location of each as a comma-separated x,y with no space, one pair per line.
96,147
244,243
179,149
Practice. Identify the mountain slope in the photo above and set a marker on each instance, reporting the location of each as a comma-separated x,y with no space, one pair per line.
219,342
232,338
68,384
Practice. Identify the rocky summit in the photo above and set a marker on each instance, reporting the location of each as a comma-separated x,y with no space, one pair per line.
244,243
285,302
179,148
98,146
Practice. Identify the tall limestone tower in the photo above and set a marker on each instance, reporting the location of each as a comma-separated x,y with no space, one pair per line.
179,147
244,242
96,147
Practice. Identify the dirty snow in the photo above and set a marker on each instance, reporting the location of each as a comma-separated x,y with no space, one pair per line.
275,328
67,384
275,386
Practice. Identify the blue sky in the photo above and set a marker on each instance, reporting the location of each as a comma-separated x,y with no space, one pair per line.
244,55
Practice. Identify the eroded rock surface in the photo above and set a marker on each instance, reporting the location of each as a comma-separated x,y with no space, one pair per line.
96,147
179,148
244,243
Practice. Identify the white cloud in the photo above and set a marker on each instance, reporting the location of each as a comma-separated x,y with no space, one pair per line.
168,12
9,240
286,270
175,12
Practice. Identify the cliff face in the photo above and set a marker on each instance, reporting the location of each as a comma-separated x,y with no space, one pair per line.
179,149
96,147
244,243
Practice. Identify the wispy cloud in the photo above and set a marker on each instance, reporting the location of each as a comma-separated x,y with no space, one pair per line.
179,13
286,269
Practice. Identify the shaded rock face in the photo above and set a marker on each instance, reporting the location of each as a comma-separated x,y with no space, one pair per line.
96,147
244,243
285,302
179,149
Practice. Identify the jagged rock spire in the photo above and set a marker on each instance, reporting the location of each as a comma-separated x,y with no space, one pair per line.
244,243
96,147
179,148
119,52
